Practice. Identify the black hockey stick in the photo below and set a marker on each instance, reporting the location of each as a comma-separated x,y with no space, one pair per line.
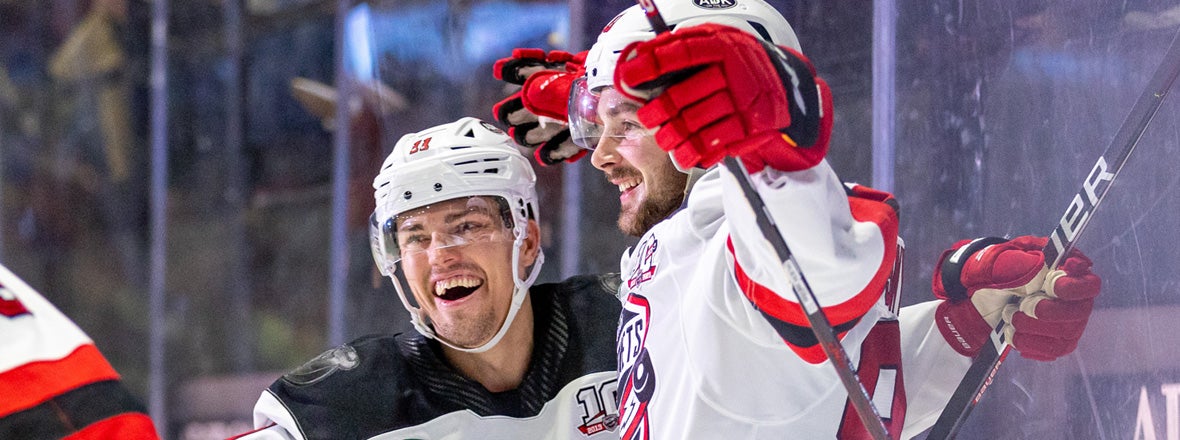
1065,234
815,317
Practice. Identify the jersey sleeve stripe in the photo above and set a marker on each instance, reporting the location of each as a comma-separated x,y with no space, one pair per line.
802,340
125,426
788,318
99,410
863,210
31,384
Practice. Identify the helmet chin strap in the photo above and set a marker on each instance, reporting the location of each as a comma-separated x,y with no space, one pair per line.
519,291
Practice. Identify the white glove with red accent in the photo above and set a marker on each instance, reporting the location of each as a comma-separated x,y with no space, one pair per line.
720,91
536,115
981,281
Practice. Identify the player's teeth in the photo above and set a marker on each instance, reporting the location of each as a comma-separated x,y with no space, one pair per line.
627,185
449,283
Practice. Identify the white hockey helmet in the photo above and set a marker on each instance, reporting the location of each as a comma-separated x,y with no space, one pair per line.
754,16
465,158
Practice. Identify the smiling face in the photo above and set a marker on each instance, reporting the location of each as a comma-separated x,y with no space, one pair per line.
456,256
650,186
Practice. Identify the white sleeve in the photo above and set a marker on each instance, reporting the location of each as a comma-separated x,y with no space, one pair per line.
838,255
33,329
272,432
932,368
272,421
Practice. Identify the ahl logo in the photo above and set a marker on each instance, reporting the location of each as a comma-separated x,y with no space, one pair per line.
10,305
715,4
645,265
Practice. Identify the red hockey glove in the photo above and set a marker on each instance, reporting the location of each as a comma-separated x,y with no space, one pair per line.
727,93
536,115
980,279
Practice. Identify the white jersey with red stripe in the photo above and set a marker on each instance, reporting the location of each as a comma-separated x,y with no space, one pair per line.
712,343
53,380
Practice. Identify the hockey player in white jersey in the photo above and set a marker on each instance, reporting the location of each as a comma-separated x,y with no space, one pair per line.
712,343
54,382
495,356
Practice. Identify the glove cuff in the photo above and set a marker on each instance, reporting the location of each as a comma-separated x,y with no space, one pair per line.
547,94
948,275
962,327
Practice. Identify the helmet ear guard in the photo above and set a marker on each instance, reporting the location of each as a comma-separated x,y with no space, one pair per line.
465,158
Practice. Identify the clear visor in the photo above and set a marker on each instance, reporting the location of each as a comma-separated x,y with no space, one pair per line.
603,113
444,225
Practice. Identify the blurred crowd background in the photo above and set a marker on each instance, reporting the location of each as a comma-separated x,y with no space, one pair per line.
178,177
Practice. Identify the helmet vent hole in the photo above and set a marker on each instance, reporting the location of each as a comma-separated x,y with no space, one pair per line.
470,133
491,171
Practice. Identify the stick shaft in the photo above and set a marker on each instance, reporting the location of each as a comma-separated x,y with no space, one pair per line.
1065,234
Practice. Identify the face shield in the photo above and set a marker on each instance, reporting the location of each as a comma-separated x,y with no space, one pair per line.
449,225
602,113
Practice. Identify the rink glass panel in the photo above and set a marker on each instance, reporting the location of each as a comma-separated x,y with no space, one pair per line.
1000,110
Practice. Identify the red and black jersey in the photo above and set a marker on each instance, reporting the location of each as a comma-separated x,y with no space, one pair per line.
54,381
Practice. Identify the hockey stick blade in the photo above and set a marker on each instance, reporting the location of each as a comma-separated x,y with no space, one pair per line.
1065,234
820,326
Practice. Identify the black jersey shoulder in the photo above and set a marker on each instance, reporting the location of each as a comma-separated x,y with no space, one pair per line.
586,309
359,389
382,383
593,308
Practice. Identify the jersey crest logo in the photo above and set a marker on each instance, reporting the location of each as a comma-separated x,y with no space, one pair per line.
645,265
636,371
342,358
10,306
600,407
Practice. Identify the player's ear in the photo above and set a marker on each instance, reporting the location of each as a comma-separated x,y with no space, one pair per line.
531,246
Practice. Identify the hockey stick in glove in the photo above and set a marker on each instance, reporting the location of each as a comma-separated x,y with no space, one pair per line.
819,323
1065,234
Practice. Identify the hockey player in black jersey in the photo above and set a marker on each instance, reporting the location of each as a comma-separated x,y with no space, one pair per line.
495,356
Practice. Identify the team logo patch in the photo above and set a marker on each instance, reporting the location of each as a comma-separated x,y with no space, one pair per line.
636,371
341,358
600,407
715,4
645,264
10,306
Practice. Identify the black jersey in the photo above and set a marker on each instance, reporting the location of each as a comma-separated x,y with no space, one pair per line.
400,386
